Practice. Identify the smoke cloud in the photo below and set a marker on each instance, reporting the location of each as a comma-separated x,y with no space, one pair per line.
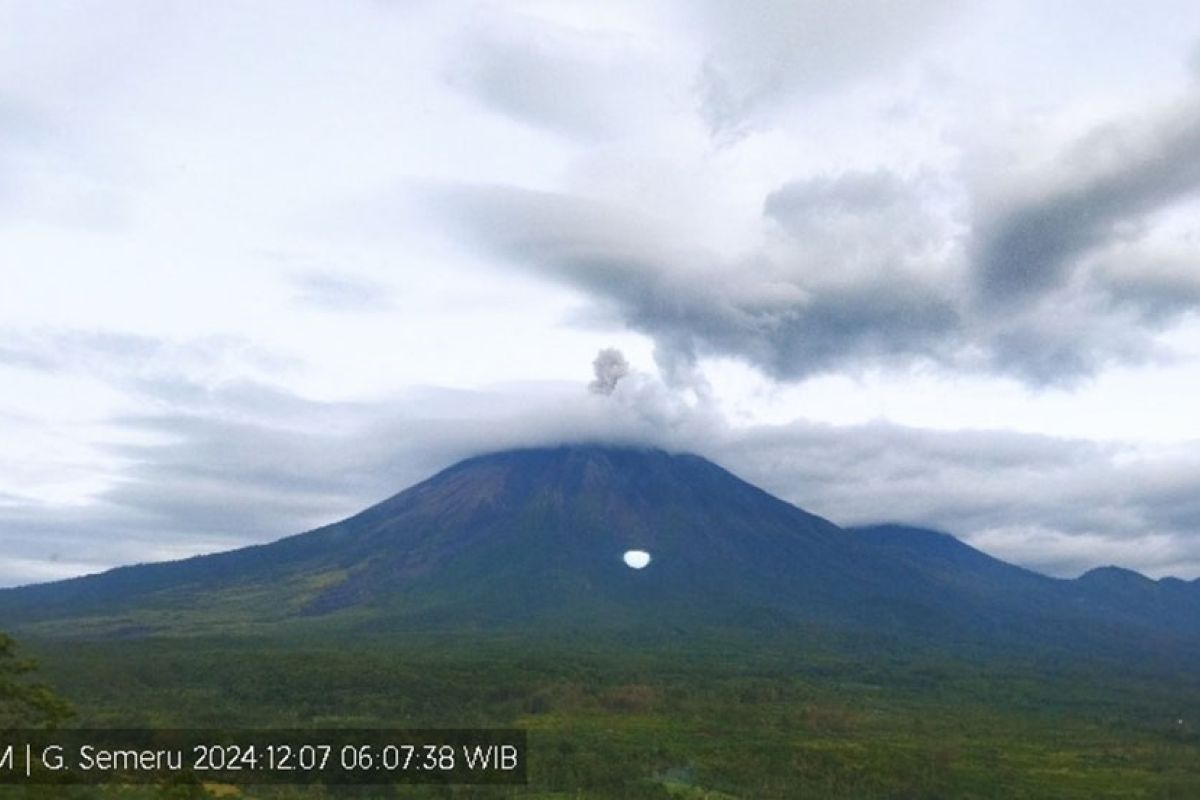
610,367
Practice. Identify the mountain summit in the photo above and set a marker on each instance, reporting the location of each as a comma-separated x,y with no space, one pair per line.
507,539
535,539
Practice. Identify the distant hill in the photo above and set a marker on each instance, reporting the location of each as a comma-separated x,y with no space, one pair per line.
532,540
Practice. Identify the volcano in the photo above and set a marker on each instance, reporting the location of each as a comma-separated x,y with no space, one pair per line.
536,540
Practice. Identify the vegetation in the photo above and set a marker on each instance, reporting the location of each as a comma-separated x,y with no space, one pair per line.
765,653
25,703
685,718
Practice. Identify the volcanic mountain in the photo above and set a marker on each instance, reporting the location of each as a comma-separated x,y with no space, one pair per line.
533,540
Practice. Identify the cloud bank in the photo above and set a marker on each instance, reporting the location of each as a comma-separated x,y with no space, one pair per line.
1048,279
246,463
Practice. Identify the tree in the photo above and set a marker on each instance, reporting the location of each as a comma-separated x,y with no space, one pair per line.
25,703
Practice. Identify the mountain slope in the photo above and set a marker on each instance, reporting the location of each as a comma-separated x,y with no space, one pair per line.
533,539
504,535
1102,600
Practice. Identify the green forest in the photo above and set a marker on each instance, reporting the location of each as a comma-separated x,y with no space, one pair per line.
664,717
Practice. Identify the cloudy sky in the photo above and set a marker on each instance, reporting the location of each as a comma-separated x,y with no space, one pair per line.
264,264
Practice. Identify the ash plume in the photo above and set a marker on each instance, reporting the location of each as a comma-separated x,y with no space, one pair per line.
610,367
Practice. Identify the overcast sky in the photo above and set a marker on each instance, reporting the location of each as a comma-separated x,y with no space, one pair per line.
934,262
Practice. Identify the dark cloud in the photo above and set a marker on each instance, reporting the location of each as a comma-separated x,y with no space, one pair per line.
1032,243
1050,283
1062,341
886,321
791,321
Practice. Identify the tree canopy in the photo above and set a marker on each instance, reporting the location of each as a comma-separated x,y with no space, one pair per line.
26,703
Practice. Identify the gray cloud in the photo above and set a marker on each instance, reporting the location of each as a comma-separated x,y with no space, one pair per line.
761,53
610,367
240,462
47,542
1032,243
1057,505
584,85
592,85
243,472
1146,286
225,464
211,466
792,320
1049,283
215,465
805,206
